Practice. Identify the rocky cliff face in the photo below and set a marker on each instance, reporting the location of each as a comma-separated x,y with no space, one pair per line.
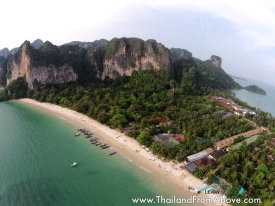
217,61
122,56
39,75
2,71
49,64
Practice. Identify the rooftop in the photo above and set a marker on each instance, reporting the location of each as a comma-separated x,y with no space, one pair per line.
217,154
191,167
205,161
230,140
196,156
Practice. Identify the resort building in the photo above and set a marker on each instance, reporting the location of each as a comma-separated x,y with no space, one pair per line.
205,161
196,156
238,110
191,167
216,154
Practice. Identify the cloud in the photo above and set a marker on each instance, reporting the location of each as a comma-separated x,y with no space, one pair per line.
241,32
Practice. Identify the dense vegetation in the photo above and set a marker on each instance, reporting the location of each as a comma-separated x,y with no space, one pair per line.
215,77
253,167
250,166
15,90
210,76
255,89
132,45
149,101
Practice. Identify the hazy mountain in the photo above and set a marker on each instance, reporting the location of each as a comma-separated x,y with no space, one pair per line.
96,43
14,50
37,43
4,52
177,53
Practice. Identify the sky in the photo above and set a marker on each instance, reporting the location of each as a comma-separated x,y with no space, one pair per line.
242,33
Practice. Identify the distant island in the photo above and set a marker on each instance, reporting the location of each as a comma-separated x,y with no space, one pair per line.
238,78
255,89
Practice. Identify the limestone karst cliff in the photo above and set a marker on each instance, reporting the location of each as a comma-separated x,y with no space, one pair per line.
122,56
37,73
44,63
217,61
2,71
51,64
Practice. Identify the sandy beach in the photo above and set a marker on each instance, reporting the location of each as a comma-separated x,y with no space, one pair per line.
168,172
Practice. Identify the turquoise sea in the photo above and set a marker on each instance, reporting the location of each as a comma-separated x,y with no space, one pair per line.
264,102
36,151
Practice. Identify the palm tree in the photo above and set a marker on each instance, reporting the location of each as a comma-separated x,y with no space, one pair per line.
234,175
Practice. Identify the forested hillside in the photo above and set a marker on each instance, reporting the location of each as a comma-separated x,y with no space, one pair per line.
255,89
204,73
149,101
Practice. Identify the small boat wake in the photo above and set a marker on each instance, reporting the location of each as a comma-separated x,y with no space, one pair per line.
74,164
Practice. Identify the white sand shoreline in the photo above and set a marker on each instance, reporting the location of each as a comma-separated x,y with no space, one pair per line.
130,149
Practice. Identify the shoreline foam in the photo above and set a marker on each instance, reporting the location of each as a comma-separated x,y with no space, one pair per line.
178,179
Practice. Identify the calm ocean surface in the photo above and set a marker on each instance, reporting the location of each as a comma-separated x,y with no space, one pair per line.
264,102
36,151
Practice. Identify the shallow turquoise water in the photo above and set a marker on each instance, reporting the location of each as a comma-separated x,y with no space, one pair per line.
36,151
